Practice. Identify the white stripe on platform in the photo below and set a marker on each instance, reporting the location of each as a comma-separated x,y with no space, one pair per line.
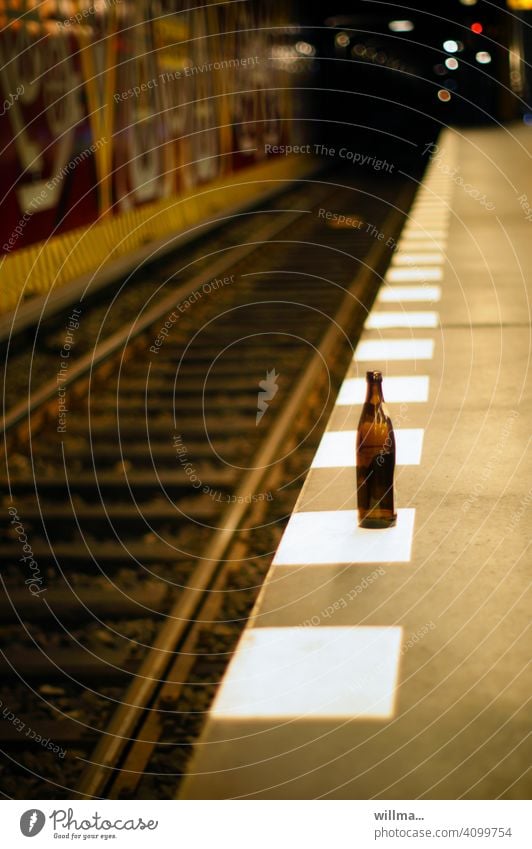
337,448
427,207
298,672
413,275
414,389
396,294
424,218
333,536
406,258
425,233
394,349
422,242
428,201
380,320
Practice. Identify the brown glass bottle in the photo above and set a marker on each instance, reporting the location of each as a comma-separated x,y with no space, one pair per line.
375,459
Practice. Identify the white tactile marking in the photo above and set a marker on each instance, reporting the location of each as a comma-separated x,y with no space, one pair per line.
333,536
398,294
427,210
397,390
413,275
394,349
421,242
406,258
312,672
337,448
424,233
426,221
427,203
387,319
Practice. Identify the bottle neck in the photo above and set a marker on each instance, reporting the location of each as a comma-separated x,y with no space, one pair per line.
374,392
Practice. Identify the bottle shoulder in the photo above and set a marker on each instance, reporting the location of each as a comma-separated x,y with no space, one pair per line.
375,413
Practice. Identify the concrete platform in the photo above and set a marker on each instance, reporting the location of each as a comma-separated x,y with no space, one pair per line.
393,664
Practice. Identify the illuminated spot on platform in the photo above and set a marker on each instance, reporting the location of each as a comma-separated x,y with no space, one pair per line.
337,448
397,390
344,672
333,536
398,294
388,319
381,350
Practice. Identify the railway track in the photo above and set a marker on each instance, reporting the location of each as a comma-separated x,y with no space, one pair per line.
149,482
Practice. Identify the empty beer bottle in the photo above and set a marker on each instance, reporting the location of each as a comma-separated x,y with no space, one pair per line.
375,459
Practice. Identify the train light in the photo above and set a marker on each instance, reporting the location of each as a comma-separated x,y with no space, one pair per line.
401,26
451,63
483,57
477,27
469,2
444,95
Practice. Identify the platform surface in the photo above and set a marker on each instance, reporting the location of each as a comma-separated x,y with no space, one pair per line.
395,664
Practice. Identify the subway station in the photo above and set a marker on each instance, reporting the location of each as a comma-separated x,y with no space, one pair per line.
265,321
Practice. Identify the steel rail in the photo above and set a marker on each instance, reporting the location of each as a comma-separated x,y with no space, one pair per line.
124,336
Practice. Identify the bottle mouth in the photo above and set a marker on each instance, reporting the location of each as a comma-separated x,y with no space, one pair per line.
374,375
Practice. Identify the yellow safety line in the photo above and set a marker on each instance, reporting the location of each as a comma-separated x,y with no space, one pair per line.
59,260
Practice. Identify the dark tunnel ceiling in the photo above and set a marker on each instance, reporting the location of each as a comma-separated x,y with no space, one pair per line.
451,9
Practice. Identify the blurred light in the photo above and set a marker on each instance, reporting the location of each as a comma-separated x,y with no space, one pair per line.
527,119
483,57
305,48
468,2
451,63
359,50
342,39
440,70
401,26
451,46
286,57
371,53
444,95
477,27
381,58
